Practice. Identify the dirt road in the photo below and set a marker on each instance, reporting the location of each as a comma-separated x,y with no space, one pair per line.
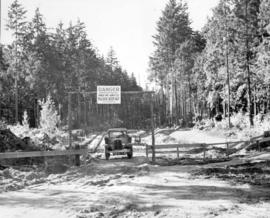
132,188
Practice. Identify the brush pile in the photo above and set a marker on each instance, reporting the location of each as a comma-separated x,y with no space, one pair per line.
10,142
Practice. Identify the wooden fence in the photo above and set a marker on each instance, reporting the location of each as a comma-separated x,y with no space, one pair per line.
176,148
9,155
77,152
154,149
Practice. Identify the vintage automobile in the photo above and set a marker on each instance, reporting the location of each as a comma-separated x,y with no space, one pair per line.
118,142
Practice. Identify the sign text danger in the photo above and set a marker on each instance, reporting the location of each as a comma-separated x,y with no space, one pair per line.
109,94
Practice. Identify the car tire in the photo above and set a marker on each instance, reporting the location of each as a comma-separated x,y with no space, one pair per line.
107,154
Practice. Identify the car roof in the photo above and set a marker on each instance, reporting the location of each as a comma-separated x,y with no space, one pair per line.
117,129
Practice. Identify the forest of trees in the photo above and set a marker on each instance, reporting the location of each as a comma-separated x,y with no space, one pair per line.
44,61
223,69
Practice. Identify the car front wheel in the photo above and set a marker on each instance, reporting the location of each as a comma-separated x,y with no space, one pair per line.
130,153
107,154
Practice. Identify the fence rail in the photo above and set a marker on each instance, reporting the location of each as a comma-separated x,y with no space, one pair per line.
158,147
228,145
265,140
8,155
24,154
195,145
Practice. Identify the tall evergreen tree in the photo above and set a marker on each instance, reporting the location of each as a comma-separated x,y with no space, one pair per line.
262,65
52,63
246,15
173,28
17,24
111,59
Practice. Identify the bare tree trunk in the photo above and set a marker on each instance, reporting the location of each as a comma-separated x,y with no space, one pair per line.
228,72
248,69
167,97
79,108
163,104
84,112
16,101
36,110
255,104
176,99
189,90
224,108
16,77
171,99
268,99
184,104
179,102
196,103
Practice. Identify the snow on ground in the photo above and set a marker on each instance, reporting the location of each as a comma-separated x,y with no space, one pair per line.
133,188
189,136
196,136
124,187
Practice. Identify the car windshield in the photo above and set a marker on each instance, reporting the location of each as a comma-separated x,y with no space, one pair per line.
117,134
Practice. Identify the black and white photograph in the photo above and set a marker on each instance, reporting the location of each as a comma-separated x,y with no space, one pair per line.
135,109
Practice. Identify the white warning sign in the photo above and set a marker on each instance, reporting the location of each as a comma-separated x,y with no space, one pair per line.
109,94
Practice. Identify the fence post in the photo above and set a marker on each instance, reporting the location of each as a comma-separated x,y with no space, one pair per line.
77,156
266,134
250,141
177,152
204,151
146,150
153,129
85,157
79,106
258,145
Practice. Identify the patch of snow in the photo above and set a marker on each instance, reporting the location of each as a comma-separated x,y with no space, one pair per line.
185,137
196,136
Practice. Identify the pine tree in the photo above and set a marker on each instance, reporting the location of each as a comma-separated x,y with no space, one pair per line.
246,15
219,55
42,62
17,24
262,65
173,28
111,59
16,21
38,24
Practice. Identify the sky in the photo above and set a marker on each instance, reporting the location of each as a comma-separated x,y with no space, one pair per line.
125,25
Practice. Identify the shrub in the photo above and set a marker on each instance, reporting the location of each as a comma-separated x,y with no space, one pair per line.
3,124
240,125
240,121
25,122
262,122
21,130
49,118
204,124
